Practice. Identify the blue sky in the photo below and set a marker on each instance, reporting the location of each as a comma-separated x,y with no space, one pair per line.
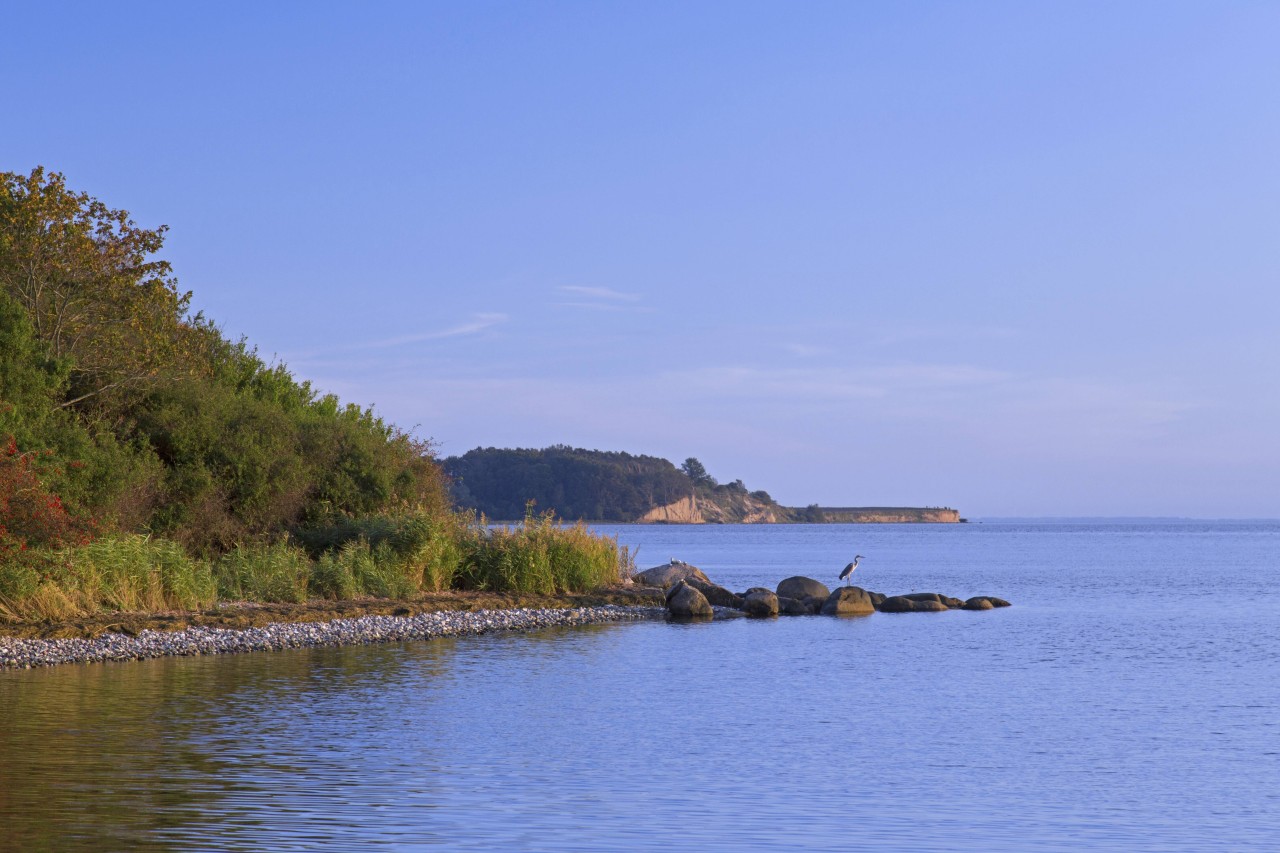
1016,258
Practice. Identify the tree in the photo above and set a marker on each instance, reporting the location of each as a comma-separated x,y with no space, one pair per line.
85,275
694,471
30,382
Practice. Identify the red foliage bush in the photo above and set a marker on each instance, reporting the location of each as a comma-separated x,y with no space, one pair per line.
30,515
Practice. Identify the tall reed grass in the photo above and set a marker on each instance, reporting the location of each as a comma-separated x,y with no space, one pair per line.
399,556
114,573
539,556
275,572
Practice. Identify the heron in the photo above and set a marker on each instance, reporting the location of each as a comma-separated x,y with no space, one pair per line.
848,570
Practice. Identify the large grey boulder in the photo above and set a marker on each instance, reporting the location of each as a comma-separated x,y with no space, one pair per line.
801,588
848,600
715,593
761,603
685,602
670,574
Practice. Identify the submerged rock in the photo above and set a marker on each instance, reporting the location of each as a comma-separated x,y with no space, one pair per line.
906,604
946,600
984,602
800,587
848,600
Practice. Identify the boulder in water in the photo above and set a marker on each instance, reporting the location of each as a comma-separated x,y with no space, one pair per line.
716,594
800,587
685,602
793,607
670,574
984,602
905,604
761,603
935,596
815,602
848,600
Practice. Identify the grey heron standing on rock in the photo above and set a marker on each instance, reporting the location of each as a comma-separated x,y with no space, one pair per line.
848,570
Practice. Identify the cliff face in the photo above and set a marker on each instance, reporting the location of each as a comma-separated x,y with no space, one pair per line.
683,511
725,509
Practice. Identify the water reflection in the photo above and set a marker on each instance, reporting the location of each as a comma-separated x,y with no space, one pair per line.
1124,706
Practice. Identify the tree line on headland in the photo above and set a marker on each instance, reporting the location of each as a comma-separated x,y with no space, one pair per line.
597,485
148,461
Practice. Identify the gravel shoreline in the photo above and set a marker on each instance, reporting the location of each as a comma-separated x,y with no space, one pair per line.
23,653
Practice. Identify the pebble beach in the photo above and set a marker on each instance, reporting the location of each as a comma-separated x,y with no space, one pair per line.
23,653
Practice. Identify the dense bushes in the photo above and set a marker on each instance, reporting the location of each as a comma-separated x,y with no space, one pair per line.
148,462
248,451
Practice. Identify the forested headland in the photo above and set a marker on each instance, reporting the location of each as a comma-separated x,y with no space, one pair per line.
611,486
149,461
598,485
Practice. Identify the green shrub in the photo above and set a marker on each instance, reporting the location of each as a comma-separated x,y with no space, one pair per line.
318,540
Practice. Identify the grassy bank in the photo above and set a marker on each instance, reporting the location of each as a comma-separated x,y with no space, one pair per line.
403,557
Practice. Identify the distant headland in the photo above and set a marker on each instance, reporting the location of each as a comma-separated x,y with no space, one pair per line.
619,487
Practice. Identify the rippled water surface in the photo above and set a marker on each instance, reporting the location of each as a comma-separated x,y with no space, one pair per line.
1129,700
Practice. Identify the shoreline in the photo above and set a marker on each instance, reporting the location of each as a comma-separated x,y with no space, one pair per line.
22,653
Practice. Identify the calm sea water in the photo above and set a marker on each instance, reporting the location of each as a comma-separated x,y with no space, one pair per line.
1130,700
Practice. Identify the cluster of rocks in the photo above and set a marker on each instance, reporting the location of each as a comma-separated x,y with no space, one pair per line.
691,594
26,653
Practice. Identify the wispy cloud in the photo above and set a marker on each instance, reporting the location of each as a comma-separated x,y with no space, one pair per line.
477,324
603,293
804,350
